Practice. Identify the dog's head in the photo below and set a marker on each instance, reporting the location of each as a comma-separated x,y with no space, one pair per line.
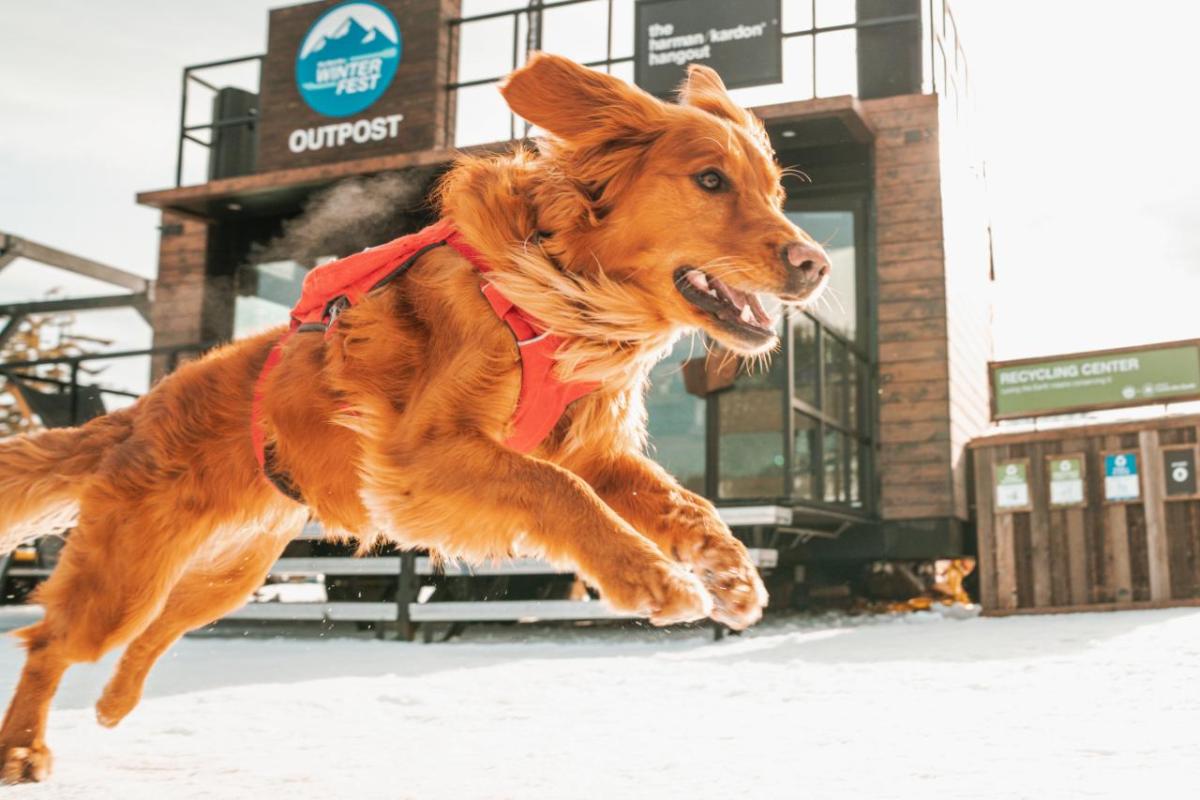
682,200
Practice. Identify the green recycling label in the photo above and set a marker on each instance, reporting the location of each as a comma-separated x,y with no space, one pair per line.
1066,481
1012,485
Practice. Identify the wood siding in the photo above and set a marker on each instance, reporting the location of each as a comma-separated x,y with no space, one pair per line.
914,403
177,312
967,244
179,288
932,277
1100,554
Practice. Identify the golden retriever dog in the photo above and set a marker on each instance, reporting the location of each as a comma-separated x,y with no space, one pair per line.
634,222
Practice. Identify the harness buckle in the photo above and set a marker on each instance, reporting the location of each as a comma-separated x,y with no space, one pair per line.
334,309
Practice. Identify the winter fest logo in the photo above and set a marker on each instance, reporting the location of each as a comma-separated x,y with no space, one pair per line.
348,58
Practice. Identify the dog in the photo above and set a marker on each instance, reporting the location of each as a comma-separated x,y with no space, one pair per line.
633,222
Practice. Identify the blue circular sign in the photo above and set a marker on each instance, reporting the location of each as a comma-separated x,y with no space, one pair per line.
348,58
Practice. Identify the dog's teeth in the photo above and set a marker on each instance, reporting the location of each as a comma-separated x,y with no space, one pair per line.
698,279
760,313
747,315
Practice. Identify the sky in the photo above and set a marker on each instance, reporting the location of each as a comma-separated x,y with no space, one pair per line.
1081,109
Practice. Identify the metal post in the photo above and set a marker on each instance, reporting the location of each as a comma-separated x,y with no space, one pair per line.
182,126
512,118
789,409
450,115
608,47
712,449
406,593
533,36
814,50
533,40
74,393
819,444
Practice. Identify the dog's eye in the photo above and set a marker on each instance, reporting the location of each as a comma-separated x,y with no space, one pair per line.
711,181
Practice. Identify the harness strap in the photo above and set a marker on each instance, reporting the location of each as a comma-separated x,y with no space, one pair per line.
265,453
542,399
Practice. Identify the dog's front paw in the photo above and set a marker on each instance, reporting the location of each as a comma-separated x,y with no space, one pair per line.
662,591
733,581
25,764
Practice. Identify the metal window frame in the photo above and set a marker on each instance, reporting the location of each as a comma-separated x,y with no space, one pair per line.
857,421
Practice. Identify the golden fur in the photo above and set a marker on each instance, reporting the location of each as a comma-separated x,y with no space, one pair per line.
391,426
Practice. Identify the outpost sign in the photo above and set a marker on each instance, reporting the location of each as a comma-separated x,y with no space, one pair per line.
739,40
348,80
1091,381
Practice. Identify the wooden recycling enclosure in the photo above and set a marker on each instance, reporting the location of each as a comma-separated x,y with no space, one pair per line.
1088,518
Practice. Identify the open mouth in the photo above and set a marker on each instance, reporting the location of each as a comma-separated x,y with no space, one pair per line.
739,312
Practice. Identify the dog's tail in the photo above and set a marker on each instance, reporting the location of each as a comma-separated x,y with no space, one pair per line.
42,476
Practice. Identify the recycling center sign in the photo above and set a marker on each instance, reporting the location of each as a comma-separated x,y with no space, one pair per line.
1090,381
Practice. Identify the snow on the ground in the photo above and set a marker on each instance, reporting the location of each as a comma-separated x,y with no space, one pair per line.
1086,705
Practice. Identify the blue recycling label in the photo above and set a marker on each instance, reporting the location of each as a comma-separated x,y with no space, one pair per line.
1119,465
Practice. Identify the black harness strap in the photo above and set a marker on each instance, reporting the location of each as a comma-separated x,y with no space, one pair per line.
278,477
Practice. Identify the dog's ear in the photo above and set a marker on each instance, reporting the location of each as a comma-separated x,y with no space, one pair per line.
574,102
704,89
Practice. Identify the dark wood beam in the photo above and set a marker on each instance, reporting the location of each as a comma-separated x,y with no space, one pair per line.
15,247
844,108
139,302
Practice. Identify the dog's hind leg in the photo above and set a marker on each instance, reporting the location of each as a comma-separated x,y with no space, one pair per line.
116,571
205,593
26,757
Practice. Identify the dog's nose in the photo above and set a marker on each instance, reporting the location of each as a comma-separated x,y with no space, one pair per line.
810,260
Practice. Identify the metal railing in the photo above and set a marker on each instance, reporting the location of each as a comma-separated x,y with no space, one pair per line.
187,133
530,19
946,56
74,389
945,71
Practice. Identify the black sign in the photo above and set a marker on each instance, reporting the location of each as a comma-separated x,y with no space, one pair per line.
740,40
1180,469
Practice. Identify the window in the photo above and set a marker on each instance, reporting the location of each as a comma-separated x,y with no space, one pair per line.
677,419
750,458
835,231
804,455
265,296
830,430
806,369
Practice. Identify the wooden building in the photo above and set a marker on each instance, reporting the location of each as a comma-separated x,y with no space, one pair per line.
854,442
1103,547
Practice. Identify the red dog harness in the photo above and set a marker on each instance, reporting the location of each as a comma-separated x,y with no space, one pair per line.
332,288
